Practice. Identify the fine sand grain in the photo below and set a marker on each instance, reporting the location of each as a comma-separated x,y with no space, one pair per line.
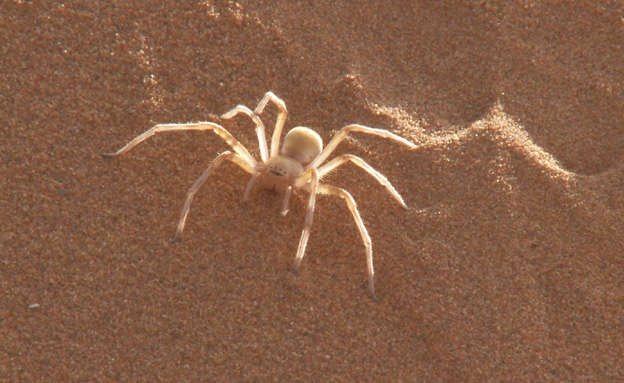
507,266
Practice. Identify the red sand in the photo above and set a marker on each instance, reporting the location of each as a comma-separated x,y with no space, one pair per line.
508,265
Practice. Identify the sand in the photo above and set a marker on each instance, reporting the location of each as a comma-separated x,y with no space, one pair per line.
508,264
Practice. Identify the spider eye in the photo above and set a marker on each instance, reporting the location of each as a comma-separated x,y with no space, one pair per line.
277,171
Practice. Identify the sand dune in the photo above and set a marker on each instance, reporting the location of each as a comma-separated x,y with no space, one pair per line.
506,266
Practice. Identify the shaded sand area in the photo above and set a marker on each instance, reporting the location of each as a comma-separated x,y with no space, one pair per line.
507,266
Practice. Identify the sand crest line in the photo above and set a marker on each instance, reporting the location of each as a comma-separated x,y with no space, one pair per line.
496,124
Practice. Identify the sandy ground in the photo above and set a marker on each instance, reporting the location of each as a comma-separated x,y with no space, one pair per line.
508,264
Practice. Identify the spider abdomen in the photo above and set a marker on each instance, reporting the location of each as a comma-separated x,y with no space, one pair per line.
303,144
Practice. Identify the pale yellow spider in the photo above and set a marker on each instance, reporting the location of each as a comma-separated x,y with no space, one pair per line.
298,165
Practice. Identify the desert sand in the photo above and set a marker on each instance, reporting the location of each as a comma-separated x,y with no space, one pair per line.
508,264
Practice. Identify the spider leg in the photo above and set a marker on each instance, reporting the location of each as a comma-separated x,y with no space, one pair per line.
333,190
333,164
281,119
226,156
250,185
355,128
260,130
218,129
313,176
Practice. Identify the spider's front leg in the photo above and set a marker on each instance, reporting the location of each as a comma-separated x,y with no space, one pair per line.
161,128
344,132
226,156
241,157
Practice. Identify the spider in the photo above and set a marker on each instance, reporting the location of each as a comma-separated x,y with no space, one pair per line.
298,165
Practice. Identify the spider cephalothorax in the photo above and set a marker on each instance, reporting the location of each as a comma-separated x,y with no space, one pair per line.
299,164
